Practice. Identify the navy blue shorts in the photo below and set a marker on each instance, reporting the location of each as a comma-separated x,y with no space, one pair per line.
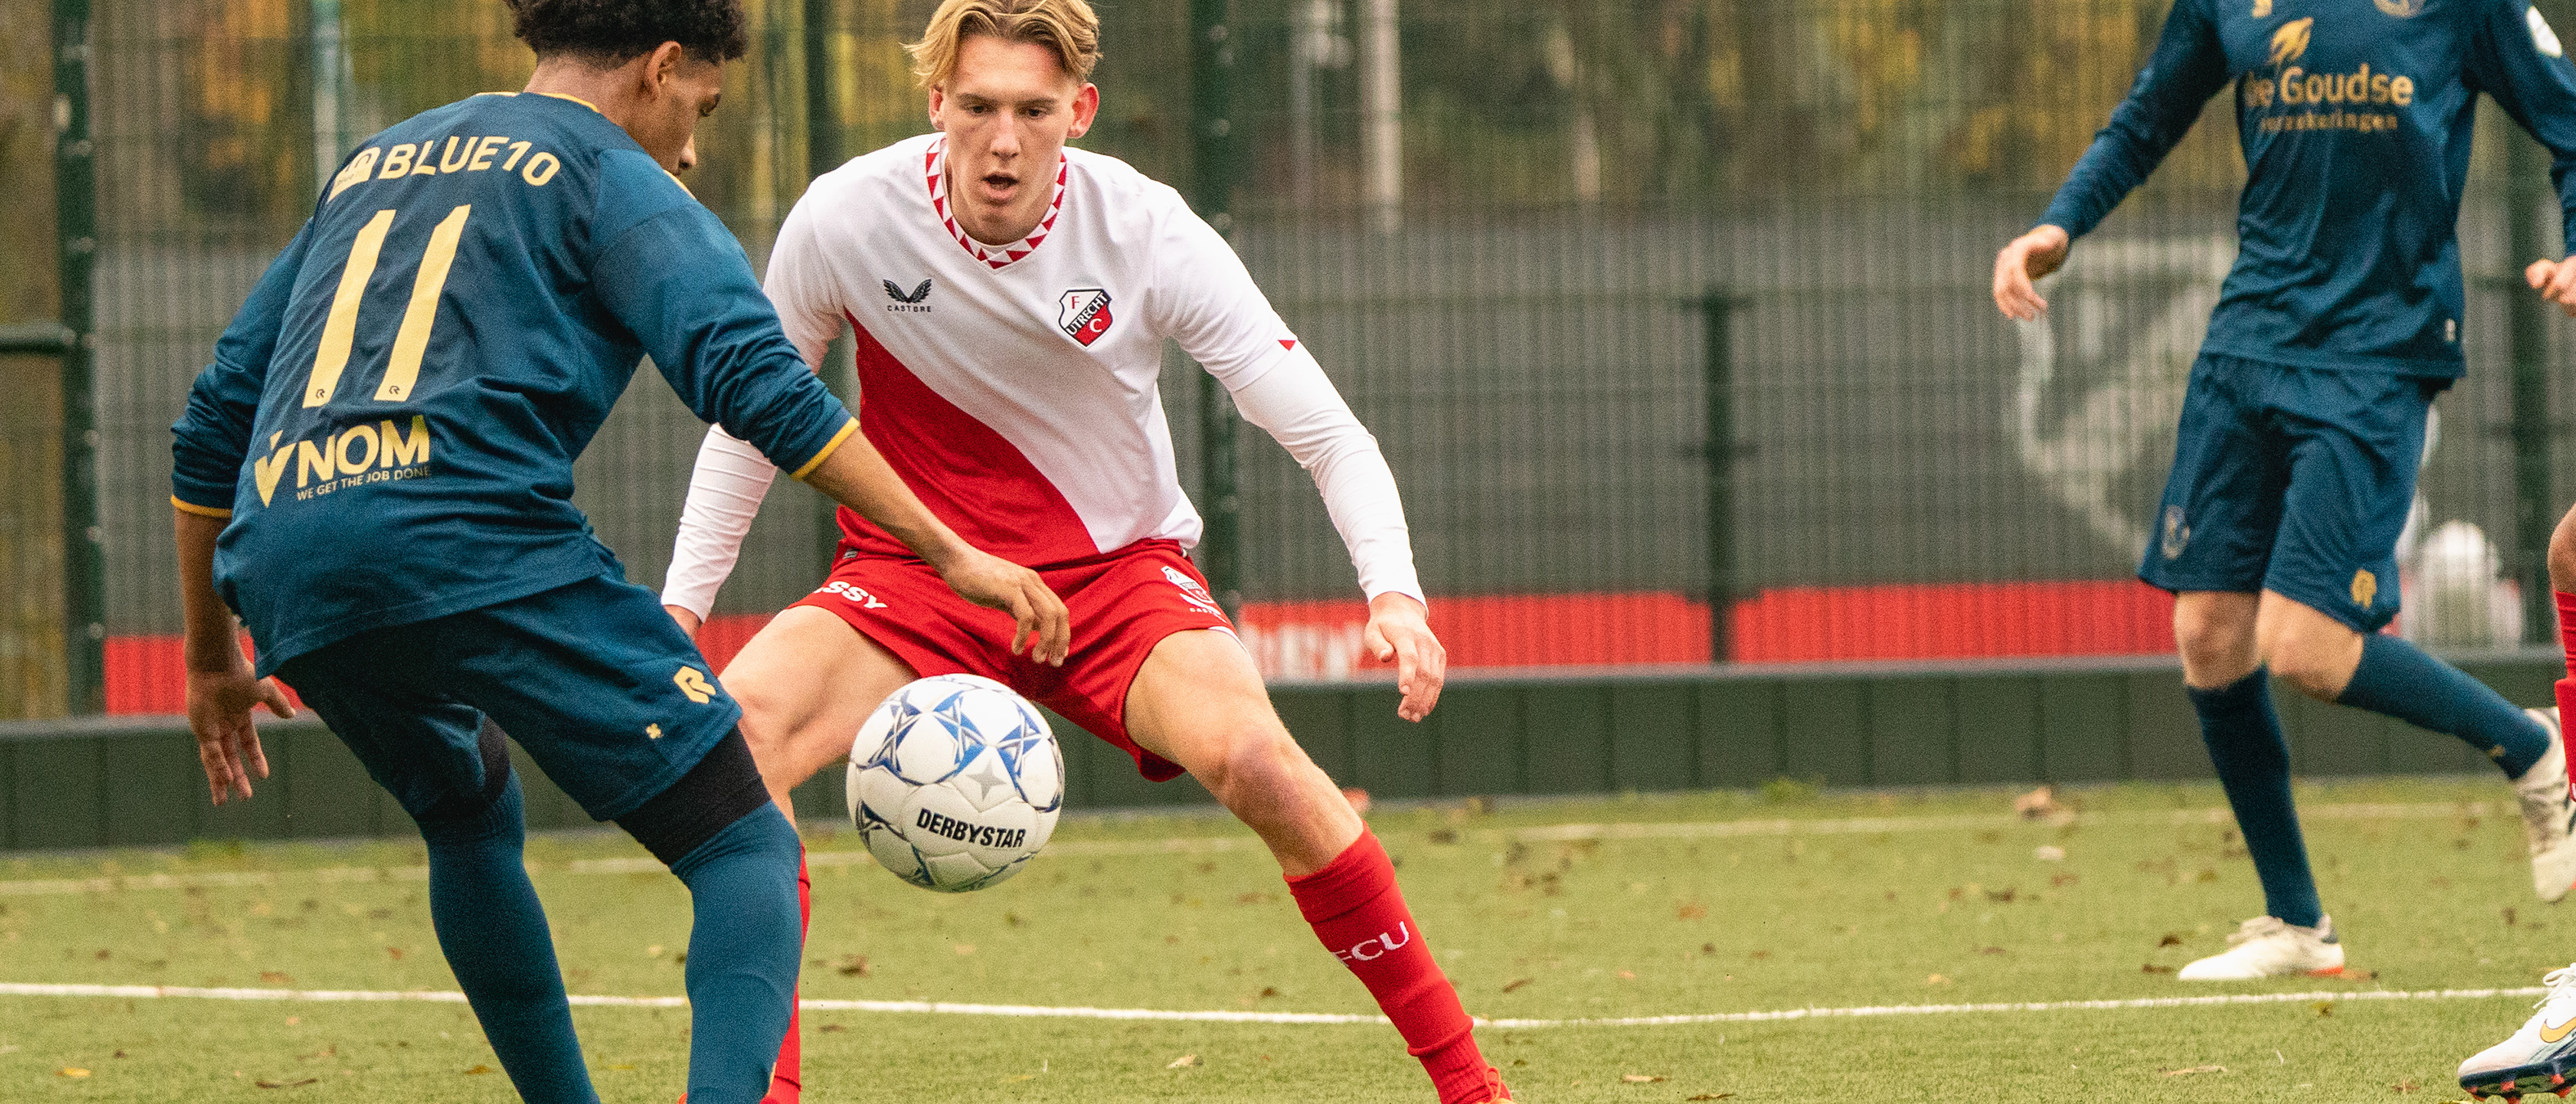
2292,480
599,685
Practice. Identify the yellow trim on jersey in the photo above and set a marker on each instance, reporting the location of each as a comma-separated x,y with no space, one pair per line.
847,428
200,511
575,99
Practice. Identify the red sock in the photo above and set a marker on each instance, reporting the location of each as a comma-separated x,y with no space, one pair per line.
787,1078
2567,627
1359,913
2566,712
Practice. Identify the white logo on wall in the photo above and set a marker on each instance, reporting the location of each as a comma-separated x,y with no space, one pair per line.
2089,450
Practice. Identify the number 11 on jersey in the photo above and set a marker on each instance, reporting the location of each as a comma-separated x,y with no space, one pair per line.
340,329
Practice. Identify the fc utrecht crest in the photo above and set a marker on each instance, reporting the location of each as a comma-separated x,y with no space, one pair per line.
1083,314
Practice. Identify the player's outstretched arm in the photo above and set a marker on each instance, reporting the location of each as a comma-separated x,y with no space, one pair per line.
857,476
2021,263
221,686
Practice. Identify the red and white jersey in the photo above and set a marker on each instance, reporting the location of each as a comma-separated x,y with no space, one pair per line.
1014,387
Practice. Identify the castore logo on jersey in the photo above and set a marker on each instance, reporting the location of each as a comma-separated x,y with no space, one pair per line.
916,300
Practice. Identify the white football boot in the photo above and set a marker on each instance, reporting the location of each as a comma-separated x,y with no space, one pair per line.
2540,1058
2548,817
2267,946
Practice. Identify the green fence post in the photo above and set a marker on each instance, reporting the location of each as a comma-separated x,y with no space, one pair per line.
76,234
2528,344
1717,330
1212,193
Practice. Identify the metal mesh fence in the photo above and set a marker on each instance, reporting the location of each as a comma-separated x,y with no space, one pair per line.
1671,315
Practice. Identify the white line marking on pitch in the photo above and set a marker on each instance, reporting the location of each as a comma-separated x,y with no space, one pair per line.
22,989
1555,833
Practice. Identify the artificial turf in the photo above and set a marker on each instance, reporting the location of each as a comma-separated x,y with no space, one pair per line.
1947,899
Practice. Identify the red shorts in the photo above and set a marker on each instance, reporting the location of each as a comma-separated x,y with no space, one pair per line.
1122,603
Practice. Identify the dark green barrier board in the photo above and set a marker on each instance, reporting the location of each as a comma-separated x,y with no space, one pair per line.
112,782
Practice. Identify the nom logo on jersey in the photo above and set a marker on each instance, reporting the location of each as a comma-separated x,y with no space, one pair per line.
1083,314
916,300
377,453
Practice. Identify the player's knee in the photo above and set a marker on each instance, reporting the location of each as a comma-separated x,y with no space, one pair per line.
1258,759
2562,555
724,787
2314,667
2213,634
493,812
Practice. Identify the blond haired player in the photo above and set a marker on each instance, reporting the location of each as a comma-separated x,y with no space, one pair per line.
1010,298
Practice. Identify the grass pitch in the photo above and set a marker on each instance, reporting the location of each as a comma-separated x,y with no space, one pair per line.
1558,911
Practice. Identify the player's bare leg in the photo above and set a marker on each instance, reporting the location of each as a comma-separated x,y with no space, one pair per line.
1199,702
805,683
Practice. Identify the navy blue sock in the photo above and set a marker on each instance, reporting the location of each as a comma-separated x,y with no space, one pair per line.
743,953
2396,678
494,933
2253,761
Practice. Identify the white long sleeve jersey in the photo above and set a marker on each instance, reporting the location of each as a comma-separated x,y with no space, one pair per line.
1014,388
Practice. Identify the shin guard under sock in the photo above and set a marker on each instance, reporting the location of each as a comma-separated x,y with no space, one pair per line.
494,934
2397,679
1358,912
744,947
787,1078
2253,760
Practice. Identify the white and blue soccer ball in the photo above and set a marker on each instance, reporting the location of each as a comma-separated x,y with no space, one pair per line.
955,783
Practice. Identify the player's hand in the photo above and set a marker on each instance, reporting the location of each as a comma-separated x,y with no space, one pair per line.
219,705
2023,260
1039,622
1399,631
2555,281
689,622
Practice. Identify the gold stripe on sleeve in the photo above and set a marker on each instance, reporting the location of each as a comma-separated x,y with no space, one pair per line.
847,428
200,511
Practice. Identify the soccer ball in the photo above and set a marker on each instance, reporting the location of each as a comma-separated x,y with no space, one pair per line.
955,783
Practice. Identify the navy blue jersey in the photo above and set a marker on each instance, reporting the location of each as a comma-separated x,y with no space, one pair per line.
391,420
2355,119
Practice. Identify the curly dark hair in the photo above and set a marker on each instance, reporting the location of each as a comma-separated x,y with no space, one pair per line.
612,32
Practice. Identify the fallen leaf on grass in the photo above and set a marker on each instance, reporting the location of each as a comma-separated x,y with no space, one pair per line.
1710,1096
2324,1008
326,1052
1936,979
1640,1078
830,1028
1692,911
478,1070
295,1084
1627,975
1516,983
2152,968
71,1071
1183,1062
2189,1070
395,953
1267,991
276,977
2048,852
2406,1086
2037,804
1992,951
854,965
964,949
